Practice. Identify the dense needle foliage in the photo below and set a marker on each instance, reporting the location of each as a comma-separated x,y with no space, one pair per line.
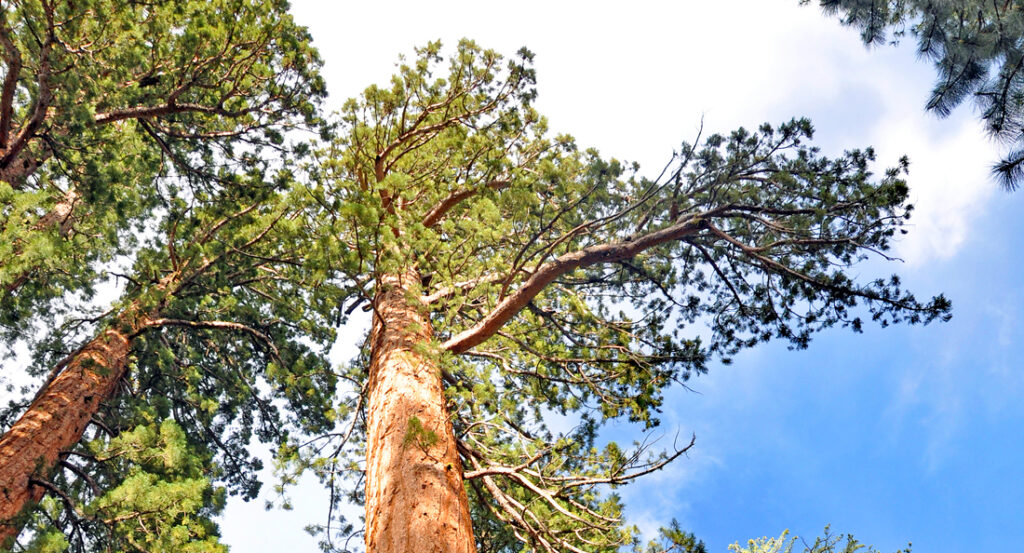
561,281
147,141
102,98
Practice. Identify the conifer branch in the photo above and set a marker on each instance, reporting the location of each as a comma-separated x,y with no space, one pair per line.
545,274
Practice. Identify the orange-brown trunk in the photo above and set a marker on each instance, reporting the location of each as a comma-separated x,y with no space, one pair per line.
54,422
415,500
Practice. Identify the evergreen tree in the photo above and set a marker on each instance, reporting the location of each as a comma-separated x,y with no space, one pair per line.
978,51
154,132
206,349
511,275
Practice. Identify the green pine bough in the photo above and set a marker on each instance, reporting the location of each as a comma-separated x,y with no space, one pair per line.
977,48
511,274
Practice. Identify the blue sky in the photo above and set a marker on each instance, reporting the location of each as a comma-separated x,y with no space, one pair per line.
896,435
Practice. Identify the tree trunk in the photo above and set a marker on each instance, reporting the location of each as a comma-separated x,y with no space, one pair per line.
54,422
415,500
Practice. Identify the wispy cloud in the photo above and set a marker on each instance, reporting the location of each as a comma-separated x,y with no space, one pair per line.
949,179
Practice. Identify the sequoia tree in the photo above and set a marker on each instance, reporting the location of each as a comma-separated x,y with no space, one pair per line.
129,433
977,48
151,133
512,275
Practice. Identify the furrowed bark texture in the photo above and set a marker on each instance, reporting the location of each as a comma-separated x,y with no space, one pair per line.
415,500
54,422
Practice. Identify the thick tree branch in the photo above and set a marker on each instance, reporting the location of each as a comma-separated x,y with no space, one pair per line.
44,96
12,56
62,214
548,272
463,285
142,112
225,325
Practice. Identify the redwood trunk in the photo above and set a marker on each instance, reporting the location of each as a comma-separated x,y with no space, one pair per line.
54,422
415,500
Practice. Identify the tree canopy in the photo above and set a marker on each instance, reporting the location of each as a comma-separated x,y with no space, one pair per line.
146,140
101,99
511,275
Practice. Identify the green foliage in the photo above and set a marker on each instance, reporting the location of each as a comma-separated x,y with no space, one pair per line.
106,107
48,541
227,352
170,135
418,436
977,48
153,495
673,539
827,543
165,503
766,545
253,255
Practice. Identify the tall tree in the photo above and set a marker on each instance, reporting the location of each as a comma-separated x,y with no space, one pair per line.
978,51
153,131
512,275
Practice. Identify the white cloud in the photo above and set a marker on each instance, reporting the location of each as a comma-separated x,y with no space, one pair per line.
949,178
636,82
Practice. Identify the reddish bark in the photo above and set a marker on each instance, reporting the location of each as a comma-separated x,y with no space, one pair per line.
415,499
54,422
